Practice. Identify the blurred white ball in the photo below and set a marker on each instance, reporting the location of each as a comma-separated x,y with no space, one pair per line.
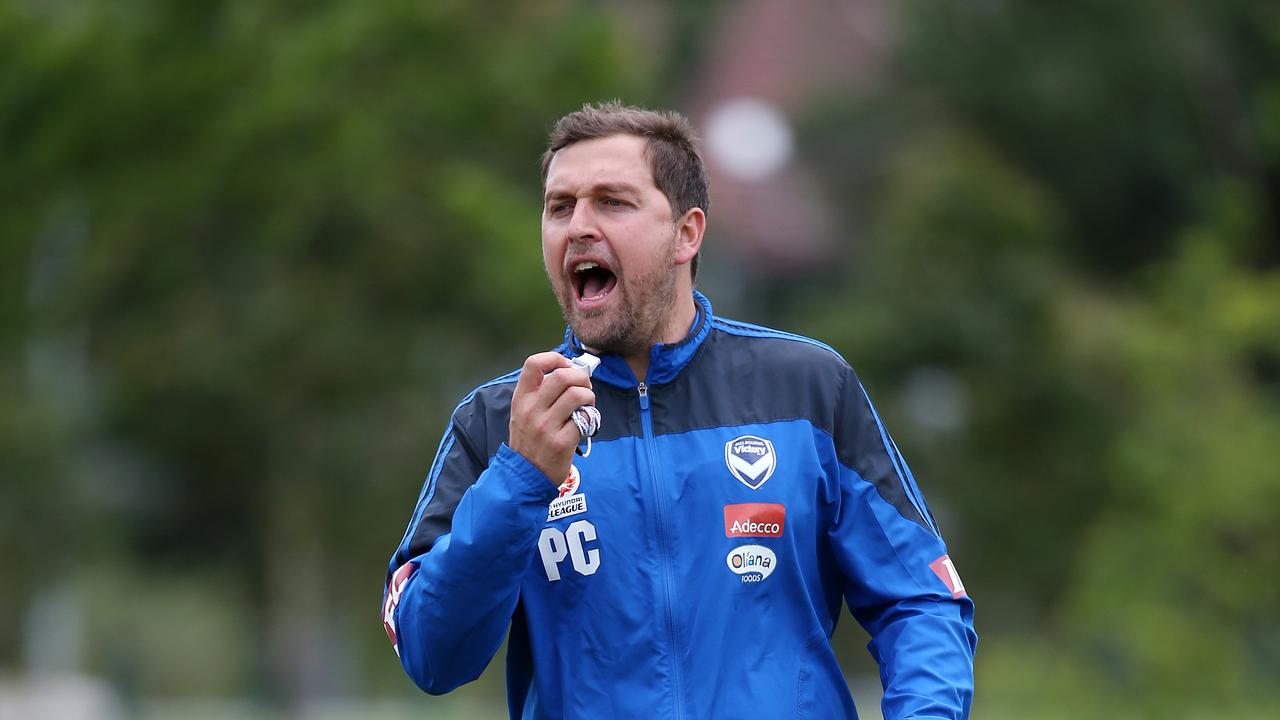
749,138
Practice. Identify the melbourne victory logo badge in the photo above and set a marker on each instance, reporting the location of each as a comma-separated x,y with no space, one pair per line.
751,459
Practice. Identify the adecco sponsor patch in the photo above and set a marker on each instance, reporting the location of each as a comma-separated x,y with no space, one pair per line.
754,519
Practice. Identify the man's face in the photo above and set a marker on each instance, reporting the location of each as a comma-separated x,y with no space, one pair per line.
609,243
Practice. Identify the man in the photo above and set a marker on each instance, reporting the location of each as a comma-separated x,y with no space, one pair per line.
694,563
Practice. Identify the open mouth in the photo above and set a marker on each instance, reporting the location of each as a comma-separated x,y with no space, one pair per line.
592,281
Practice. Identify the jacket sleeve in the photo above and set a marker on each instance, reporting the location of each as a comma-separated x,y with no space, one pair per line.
900,583
454,582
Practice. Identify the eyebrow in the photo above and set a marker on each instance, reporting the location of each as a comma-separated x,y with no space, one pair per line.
597,189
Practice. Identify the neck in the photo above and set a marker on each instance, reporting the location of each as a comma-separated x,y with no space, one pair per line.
683,313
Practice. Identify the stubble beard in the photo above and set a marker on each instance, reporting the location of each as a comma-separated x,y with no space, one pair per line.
635,323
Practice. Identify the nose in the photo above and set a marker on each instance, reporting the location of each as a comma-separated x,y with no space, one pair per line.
582,226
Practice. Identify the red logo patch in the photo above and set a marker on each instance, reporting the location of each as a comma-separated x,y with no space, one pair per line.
570,484
398,581
754,519
946,572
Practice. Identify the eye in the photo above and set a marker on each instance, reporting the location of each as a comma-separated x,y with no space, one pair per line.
614,202
559,208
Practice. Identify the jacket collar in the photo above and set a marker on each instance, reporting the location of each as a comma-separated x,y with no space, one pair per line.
665,360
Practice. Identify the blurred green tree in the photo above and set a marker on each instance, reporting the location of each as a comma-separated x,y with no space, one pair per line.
1065,221
278,240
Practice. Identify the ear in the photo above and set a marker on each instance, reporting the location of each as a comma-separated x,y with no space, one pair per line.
689,229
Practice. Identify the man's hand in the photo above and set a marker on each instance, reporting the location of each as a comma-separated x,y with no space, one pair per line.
547,393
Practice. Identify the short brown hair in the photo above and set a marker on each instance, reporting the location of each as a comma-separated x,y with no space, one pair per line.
671,145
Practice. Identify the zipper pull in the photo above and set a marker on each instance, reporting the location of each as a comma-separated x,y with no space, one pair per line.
644,396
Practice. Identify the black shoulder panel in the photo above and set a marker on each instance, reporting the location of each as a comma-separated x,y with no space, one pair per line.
477,428
487,417
745,374
864,445
737,379
619,411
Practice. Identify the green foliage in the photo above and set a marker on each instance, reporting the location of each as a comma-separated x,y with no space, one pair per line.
1070,212
1173,578
288,237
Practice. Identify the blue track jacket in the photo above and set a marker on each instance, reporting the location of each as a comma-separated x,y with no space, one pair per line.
694,565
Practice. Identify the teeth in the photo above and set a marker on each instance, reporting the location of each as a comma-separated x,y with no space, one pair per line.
585,265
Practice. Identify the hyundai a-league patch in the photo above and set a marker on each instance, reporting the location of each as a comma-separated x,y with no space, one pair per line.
569,501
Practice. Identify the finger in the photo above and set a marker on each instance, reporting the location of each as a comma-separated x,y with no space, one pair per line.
552,387
571,399
555,382
535,366
568,437
555,385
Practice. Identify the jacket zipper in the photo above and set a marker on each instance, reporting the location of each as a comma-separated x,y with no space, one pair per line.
646,422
